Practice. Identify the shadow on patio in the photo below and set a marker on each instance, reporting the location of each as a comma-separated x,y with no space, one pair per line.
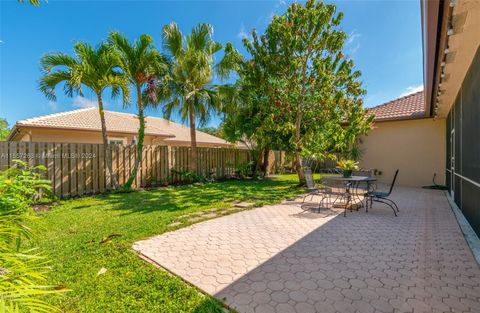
275,259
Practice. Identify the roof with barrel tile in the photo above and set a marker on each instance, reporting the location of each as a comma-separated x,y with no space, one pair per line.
411,106
119,122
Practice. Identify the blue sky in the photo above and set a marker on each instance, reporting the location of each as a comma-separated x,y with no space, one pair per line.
384,41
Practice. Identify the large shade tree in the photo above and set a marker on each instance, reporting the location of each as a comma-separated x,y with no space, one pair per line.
252,120
191,90
95,68
307,92
143,65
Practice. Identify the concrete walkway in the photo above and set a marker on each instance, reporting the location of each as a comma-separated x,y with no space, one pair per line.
282,259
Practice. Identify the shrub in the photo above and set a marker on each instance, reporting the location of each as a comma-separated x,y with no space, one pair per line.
22,271
245,170
190,177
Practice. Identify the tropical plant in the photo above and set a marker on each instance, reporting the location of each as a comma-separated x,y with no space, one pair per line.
22,270
349,165
251,118
190,177
95,68
245,169
190,89
143,66
4,130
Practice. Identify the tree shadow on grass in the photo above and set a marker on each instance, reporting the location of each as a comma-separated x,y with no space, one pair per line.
171,199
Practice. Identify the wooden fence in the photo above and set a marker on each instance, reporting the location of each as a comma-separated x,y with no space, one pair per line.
79,169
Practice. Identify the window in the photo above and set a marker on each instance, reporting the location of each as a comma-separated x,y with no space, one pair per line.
116,141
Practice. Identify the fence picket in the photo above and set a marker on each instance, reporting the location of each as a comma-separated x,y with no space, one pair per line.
58,169
4,155
98,170
79,169
73,170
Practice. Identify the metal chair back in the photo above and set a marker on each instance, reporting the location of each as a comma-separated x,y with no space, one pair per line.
309,178
393,182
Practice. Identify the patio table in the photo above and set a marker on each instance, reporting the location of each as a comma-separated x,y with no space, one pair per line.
351,187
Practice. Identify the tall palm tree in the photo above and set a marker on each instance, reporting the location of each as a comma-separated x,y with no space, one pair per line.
142,64
95,68
192,93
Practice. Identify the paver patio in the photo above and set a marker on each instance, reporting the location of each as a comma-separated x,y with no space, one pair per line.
281,259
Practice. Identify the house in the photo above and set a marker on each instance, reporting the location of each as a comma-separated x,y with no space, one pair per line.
437,131
451,45
83,126
405,137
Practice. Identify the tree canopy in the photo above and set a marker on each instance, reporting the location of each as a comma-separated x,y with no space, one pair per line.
142,66
190,90
4,129
97,68
298,90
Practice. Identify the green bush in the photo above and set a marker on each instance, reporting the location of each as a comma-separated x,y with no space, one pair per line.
190,177
245,170
22,270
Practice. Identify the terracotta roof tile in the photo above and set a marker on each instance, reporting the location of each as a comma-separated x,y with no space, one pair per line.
89,119
408,107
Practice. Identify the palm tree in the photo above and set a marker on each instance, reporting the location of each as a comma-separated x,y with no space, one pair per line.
142,64
95,68
191,90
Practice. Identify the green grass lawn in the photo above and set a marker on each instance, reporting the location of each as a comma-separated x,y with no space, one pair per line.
74,236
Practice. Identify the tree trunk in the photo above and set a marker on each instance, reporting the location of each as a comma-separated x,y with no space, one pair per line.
106,148
193,139
266,153
141,135
258,163
298,150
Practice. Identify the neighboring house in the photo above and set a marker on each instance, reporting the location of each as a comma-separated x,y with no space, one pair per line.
404,137
437,131
451,41
83,126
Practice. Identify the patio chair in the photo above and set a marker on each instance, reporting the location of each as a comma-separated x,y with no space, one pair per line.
311,186
337,191
382,197
314,189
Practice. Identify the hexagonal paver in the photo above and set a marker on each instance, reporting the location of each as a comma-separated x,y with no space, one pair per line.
280,258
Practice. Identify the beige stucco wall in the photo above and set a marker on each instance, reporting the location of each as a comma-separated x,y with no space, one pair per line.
415,147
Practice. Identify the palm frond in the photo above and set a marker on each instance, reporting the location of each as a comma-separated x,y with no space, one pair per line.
48,82
119,85
200,37
173,39
49,61
143,46
231,61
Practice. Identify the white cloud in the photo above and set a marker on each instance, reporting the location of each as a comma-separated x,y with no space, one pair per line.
81,102
1,41
53,106
275,10
242,33
352,37
353,44
411,89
